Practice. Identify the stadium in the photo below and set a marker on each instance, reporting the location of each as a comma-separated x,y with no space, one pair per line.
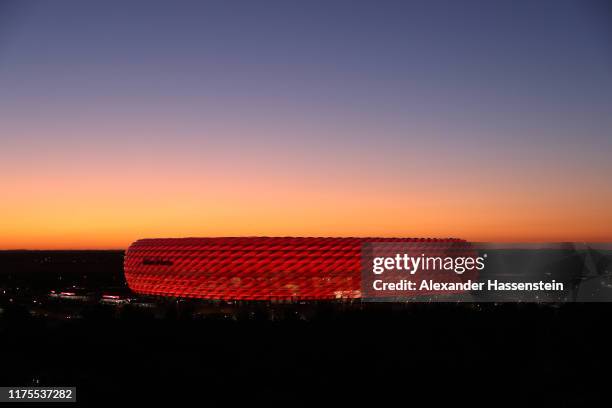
262,268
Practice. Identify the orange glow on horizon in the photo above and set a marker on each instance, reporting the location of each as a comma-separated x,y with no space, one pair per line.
110,213
78,200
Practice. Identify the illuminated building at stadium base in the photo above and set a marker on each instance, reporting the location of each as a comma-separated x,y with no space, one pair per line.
253,268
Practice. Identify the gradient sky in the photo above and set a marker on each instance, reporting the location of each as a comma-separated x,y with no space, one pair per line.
489,121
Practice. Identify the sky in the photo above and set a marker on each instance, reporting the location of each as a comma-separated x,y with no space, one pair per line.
488,121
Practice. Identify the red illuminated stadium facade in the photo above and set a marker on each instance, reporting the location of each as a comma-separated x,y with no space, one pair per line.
253,268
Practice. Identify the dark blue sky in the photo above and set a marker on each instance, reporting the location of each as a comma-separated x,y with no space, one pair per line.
541,65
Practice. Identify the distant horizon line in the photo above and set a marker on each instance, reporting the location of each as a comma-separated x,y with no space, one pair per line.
490,244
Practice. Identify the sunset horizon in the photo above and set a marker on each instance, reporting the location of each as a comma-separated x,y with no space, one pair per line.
322,123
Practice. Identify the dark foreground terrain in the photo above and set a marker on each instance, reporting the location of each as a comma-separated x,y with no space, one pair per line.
290,355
